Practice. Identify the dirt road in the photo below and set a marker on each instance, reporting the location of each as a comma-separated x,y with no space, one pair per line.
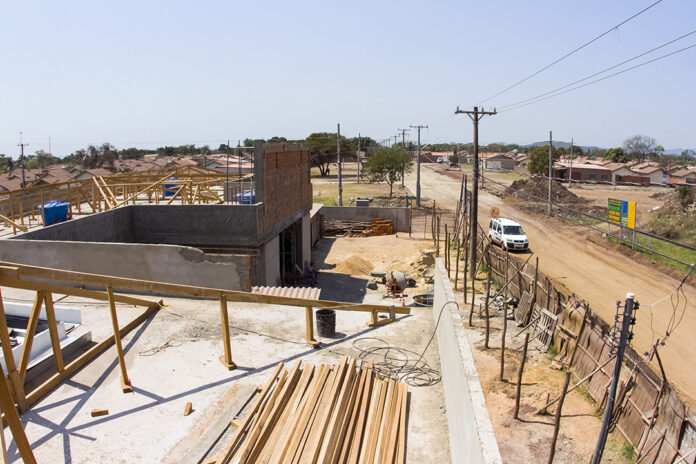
594,273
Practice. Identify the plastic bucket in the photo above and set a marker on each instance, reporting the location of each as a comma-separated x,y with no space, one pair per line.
326,322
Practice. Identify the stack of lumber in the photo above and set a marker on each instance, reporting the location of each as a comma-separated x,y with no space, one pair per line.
333,227
325,414
379,227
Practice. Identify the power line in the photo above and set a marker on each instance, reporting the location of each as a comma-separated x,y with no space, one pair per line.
602,78
599,72
570,53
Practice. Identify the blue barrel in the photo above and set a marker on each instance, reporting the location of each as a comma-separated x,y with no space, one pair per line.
55,211
246,198
170,189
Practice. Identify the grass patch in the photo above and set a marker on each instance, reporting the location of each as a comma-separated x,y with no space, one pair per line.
506,175
665,248
327,194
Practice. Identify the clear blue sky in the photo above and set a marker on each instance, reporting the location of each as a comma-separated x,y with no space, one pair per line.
154,73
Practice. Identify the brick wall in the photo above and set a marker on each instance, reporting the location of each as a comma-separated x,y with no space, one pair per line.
288,188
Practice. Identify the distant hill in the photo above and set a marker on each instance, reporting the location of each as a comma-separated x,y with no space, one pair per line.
559,143
677,151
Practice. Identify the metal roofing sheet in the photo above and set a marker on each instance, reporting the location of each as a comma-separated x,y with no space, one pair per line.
306,293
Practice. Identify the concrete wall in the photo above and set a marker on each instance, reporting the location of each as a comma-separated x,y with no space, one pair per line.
471,433
271,257
401,217
160,263
110,226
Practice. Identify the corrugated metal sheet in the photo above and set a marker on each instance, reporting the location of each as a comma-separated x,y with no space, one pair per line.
306,293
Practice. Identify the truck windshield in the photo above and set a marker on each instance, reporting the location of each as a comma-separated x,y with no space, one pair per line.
513,230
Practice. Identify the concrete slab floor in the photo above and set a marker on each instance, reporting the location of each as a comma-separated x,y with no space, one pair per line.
173,359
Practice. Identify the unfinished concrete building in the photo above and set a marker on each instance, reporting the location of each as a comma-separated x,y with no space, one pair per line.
233,246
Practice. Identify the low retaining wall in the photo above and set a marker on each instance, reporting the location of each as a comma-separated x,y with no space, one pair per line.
471,434
159,263
400,217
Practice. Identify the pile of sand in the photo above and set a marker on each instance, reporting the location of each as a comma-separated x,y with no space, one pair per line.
537,189
355,265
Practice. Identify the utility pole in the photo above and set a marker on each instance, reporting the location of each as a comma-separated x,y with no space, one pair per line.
358,157
338,159
475,116
239,158
570,174
403,145
22,144
227,184
550,170
627,321
418,187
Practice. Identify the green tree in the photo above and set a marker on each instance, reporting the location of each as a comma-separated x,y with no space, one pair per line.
276,139
686,157
387,165
617,155
640,147
43,159
539,159
322,150
6,164
248,142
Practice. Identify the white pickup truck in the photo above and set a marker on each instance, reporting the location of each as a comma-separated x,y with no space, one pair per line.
508,234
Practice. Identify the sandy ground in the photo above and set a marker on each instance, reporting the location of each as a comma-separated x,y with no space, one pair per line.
595,273
173,358
527,440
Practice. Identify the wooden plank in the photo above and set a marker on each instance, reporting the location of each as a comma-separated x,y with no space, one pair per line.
335,425
188,408
5,339
323,398
393,429
390,403
252,455
226,358
99,412
378,392
290,447
403,423
14,225
53,331
360,428
289,418
83,278
348,430
73,291
125,381
107,200
84,358
313,447
31,331
12,419
234,441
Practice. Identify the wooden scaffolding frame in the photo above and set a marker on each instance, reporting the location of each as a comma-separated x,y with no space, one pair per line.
47,281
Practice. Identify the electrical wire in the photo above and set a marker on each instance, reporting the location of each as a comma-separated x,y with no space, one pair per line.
601,78
599,72
571,53
395,362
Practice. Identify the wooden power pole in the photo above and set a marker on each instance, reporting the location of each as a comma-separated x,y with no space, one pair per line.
418,187
475,116
338,160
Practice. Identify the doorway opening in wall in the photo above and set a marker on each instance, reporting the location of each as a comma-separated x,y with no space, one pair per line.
291,265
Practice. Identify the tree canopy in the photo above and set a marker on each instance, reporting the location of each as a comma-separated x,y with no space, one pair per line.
323,149
617,155
640,147
539,159
388,165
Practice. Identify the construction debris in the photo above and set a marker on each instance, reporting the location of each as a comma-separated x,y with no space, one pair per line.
324,414
188,409
99,412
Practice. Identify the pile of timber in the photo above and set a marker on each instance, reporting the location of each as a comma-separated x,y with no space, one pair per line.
379,227
341,227
345,228
325,414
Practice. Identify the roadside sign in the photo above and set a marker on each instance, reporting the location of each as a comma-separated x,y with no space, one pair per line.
622,212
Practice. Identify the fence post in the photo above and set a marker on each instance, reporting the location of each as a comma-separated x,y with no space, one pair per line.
519,376
557,422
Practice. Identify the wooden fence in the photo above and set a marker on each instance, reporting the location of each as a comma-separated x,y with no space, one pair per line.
649,413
